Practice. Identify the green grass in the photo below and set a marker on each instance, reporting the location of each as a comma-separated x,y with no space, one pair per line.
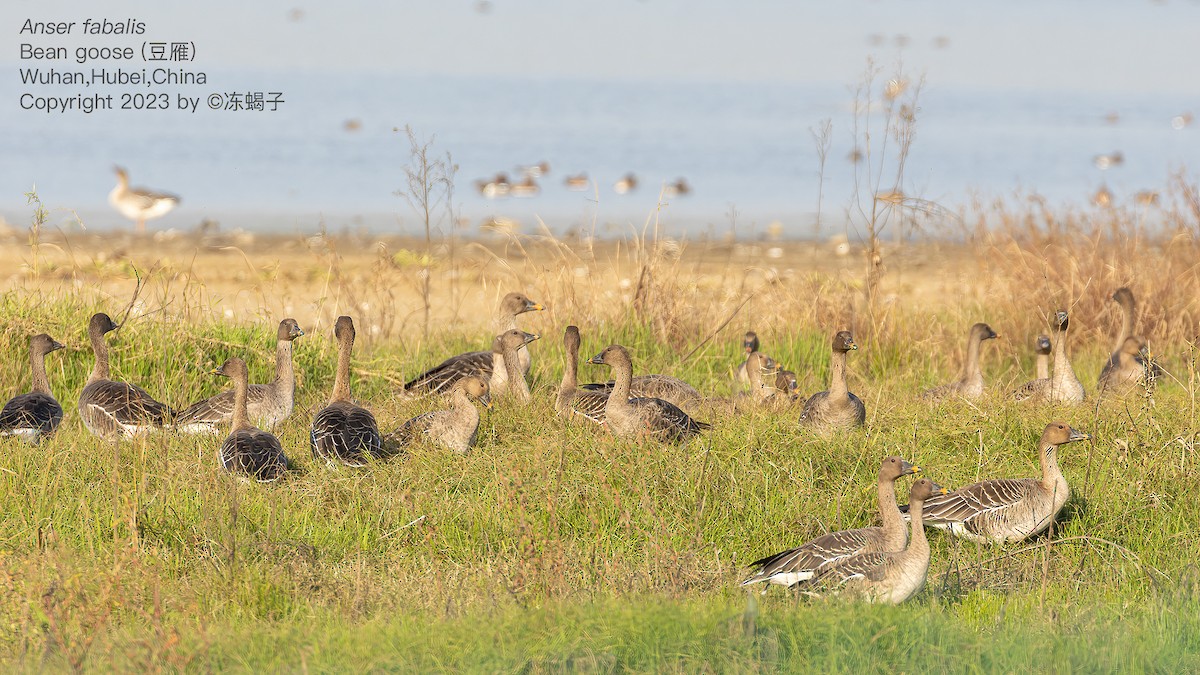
555,547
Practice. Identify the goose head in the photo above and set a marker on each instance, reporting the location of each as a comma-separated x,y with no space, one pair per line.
44,344
1060,433
571,339
1123,296
516,303
982,331
612,355
750,342
288,330
844,342
232,368
343,330
101,323
515,339
476,389
1061,320
1134,346
894,467
1042,344
924,488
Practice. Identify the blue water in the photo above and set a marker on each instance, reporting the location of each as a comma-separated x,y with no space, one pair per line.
747,148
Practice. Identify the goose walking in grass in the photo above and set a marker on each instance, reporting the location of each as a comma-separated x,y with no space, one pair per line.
114,410
1062,386
504,349
454,429
268,404
478,364
342,432
807,561
1042,348
247,449
1004,509
749,346
889,577
139,204
641,417
35,414
571,400
838,407
970,384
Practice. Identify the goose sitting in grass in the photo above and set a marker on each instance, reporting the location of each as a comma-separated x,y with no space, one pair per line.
1004,509
749,346
787,384
1129,367
342,432
889,577
970,384
1062,386
268,404
477,364
763,372
836,408
455,429
35,414
1042,348
665,387
114,410
248,450
805,562
504,349
571,400
641,417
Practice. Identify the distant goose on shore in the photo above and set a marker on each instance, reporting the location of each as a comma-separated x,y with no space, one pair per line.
642,417
35,414
114,410
838,407
268,404
571,400
577,183
628,183
342,432
479,364
455,429
247,449
139,204
504,351
887,577
1004,509
495,188
680,188
528,187
801,564
1062,386
970,384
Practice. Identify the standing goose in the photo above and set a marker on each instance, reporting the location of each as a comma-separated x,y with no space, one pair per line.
504,349
30,416
455,429
268,404
970,384
139,204
1042,349
893,576
1062,386
633,418
343,432
1126,369
1005,509
247,449
749,346
836,408
572,400
113,410
478,364
803,563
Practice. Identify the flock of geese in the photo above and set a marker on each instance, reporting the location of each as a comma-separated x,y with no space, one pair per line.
882,564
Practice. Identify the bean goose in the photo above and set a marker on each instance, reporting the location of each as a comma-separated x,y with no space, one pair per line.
479,364
1004,509
836,408
505,347
455,429
111,409
970,384
892,576
268,404
1127,369
247,449
634,418
344,433
749,346
763,371
787,384
1062,386
665,387
139,204
1042,349
571,400
803,563
37,413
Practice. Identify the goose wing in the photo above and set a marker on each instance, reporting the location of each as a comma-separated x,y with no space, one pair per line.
812,407
665,387
445,374
408,432
590,404
256,453
871,566
34,410
125,403
663,418
976,499
345,433
806,561
219,409
1030,389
